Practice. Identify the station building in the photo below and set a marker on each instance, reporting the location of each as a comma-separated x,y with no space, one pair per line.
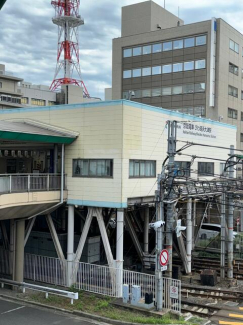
100,160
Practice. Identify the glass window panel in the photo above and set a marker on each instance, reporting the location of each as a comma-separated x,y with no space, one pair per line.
137,51
200,40
146,93
178,44
92,167
236,48
157,48
166,91
190,110
200,64
156,70
142,168
76,167
137,94
147,49
199,111
232,45
188,89
188,65
108,167
189,42
176,90
85,168
125,95
177,67
136,73
136,168
200,87
100,168
146,71
131,168
156,92
167,46
148,168
127,74
127,53
167,68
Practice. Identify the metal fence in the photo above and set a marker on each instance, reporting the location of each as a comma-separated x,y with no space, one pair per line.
94,278
98,279
15,183
45,269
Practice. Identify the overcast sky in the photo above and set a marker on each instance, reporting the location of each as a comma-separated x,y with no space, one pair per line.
28,39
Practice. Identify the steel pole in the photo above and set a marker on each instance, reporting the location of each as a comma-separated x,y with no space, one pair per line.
70,245
189,235
230,219
222,253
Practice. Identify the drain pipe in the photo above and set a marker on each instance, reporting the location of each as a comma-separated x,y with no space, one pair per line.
62,174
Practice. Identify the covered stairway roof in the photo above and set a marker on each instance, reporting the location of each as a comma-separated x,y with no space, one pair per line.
33,131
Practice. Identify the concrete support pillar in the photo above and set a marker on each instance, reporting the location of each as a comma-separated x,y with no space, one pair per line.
146,231
70,245
189,234
12,246
55,158
194,217
19,251
119,249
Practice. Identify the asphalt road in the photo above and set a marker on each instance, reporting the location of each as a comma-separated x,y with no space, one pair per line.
12,313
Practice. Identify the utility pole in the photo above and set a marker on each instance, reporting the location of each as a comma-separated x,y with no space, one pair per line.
159,242
172,131
230,218
222,250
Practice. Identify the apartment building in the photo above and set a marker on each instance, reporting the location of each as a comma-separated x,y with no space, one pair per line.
191,68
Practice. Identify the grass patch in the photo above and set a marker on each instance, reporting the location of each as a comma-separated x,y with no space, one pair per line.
101,306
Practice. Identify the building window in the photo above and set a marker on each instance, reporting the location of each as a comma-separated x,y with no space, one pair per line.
146,71
38,102
127,74
157,48
167,46
200,64
188,66
234,46
201,40
206,168
127,53
178,44
51,103
177,67
142,168
147,49
176,90
156,70
166,91
167,68
156,92
25,100
241,137
188,89
137,93
183,168
200,87
92,167
1,85
233,91
146,93
232,113
242,94
189,42
137,51
136,73
233,69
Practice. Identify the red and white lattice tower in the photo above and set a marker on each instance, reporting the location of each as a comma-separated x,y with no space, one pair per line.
68,20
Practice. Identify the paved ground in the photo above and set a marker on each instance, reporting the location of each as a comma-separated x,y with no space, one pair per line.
12,313
233,316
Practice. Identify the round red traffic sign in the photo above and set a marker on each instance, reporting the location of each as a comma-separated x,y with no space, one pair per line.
164,257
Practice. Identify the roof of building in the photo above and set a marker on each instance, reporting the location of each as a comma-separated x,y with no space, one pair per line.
32,131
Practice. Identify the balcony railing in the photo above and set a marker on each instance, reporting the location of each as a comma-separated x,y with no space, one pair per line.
16,183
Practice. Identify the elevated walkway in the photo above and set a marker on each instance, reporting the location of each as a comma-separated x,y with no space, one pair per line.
26,195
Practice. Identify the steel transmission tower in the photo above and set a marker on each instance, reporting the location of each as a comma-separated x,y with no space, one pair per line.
68,20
